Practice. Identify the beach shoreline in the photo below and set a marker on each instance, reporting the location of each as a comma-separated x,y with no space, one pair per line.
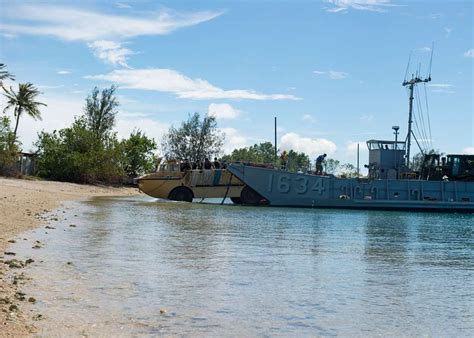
23,204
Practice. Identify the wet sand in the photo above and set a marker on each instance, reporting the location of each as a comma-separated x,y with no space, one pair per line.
23,204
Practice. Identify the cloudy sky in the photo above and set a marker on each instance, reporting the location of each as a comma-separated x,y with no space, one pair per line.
330,70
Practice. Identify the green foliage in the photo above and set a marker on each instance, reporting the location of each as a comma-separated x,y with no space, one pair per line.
297,161
265,153
8,148
418,159
4,74
348,170
137,153
195,139
100,110
23,101
332,166
258,153
76,154
89,152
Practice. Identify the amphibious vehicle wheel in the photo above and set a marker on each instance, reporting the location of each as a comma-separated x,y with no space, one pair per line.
183,194
248,196
236,200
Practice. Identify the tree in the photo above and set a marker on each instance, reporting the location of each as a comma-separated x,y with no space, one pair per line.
76,154
23,101
137,153
418,159
4,74
195,139
297,161
100,110
8,153
332,166
258,153
348,170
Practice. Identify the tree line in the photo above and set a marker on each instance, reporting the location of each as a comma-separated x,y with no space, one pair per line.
89,150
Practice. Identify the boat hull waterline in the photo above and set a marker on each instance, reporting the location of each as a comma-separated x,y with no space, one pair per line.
286,189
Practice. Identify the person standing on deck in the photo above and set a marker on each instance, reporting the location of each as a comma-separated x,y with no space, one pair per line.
283,160
208,164
217,164
319,164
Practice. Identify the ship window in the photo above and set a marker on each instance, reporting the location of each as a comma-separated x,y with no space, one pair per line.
465,199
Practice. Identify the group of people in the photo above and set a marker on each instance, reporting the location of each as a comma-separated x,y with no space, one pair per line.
206,164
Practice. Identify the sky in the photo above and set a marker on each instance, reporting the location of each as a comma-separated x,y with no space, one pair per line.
331,71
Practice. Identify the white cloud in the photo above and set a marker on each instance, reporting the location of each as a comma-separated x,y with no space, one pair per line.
126,124
308,118
440,85
441,88
332,74
122,5
63,72
468,151
311,147
76,24
171,81
366,118
223,111
9,35
111,52
351,150
58,114
365,5
424,49
233,139
469,53
448,31
337,75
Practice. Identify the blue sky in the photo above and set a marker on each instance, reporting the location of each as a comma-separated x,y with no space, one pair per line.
331,71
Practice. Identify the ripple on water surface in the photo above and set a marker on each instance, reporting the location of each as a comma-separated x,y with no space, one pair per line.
138,266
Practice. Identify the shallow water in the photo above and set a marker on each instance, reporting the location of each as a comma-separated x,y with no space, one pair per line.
244,271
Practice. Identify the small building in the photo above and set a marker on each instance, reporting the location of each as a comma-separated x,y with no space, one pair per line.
386,158
27,163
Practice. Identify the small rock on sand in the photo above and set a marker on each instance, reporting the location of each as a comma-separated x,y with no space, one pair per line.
15,264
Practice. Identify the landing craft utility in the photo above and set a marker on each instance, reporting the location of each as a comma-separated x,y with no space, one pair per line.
445,183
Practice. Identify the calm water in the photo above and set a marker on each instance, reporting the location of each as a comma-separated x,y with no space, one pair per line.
243,271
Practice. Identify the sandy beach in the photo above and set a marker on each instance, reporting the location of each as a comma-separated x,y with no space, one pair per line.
22,206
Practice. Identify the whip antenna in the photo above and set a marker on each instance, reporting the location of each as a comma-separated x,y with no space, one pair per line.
431,60
408,67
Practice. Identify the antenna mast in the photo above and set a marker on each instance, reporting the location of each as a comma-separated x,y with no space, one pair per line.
411,85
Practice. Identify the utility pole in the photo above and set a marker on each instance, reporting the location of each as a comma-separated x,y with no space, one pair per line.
411,85
395,161
358,168
276,148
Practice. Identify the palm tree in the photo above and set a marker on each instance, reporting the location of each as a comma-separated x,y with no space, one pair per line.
4,74
23,101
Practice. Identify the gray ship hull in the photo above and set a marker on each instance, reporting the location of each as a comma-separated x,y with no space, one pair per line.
282,188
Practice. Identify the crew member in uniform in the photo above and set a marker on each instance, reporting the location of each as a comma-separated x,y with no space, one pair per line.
319,164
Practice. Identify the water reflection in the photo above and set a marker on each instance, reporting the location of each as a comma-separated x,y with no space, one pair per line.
230,270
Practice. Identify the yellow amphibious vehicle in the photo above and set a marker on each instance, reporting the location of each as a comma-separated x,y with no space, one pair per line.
169,182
